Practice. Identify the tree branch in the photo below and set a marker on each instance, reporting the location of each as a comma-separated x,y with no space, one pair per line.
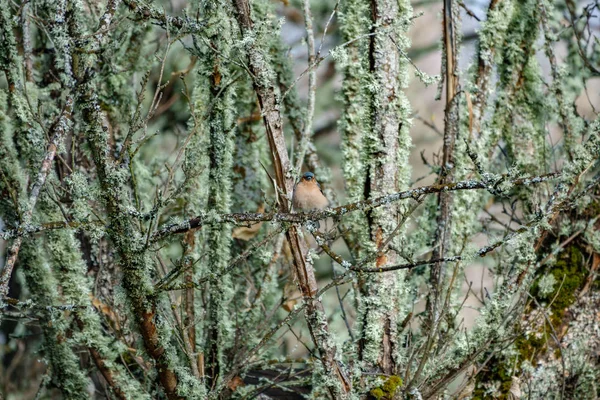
270,108
57,137
339,211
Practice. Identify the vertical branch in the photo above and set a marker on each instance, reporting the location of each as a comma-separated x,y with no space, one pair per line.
450,54
444,220
11,181
354,122
10,66
59,132
312,77
270,109
27,60
443,232
68,266
66,372
134,260
194,196
219,133
520,112
387,149
41,280
189,243
557,82
490,38
9,55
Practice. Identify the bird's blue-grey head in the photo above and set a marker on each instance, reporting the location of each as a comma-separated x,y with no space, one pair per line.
308,176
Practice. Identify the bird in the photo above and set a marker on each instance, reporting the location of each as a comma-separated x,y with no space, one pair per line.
308,195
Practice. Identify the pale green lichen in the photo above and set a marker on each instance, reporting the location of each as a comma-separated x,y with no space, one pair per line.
114,200
67,375
217,135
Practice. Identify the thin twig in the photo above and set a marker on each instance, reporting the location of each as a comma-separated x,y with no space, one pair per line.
57,137
312,78
339,211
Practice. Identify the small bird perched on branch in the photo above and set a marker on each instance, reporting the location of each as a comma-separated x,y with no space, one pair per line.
308,195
